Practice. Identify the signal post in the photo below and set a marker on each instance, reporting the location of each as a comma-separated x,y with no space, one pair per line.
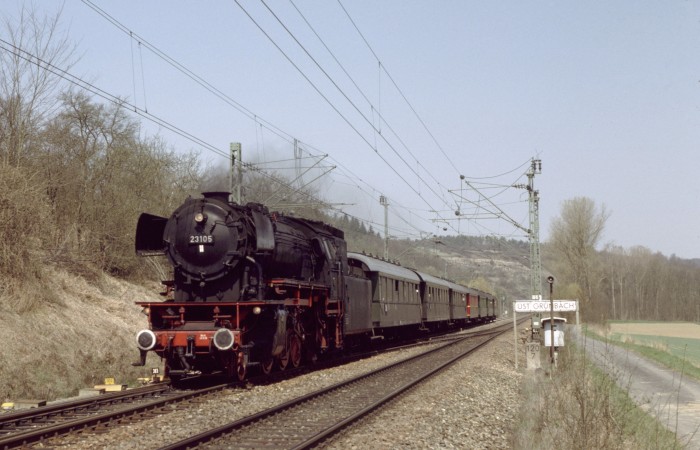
539,306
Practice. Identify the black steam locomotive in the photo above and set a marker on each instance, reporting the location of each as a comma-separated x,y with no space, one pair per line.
254,288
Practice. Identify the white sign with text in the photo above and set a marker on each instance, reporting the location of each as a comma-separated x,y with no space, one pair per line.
521,306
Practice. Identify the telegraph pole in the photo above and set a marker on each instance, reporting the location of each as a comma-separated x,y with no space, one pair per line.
385,203
236,172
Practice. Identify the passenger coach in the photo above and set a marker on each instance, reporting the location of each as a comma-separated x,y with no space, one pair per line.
394,301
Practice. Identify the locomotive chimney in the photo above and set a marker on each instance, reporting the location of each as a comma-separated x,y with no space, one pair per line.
221,196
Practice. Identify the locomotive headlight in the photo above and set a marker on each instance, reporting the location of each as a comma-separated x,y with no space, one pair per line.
145,340
257,310
223,339
199,217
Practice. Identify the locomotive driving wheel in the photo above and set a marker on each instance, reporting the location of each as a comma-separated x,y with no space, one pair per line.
283,359
266,365
240,367
294,348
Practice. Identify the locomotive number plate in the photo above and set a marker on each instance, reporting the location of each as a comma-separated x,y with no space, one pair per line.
199,239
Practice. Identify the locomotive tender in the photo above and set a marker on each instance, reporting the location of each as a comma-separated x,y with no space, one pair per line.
254,288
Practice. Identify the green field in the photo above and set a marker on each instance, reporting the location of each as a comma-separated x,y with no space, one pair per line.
683,348
673,344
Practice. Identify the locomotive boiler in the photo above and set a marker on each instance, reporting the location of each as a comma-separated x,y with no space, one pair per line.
249,288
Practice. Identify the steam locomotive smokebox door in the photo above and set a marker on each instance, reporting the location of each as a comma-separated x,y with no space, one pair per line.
205,239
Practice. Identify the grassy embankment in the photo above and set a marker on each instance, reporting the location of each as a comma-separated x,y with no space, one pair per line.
84,337
676,349
580,407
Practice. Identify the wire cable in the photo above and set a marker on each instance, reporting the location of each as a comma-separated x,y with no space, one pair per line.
383,67
346,97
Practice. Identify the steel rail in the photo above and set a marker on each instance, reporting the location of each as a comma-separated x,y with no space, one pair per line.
23,417
310,441
54,430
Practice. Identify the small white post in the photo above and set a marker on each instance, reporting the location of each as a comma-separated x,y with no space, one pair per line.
515,337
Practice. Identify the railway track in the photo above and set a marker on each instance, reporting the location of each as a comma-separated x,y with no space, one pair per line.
307,421
277,376
63,420
26,428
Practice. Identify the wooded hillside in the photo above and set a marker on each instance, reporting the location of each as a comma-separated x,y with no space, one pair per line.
76,172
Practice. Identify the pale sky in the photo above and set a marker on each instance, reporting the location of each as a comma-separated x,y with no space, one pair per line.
606,94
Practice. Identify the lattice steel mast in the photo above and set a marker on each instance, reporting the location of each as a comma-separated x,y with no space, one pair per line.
534,231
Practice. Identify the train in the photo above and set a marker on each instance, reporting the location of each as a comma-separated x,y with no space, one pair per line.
258,289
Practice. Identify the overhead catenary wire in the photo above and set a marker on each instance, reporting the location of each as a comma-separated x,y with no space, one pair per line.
383,67
190,74
89,87
77,81
276,130
501,213
334,107
202,82
374,109
256,118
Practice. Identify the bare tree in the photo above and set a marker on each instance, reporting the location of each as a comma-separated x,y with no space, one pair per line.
100,175
574,237
28,43
27,90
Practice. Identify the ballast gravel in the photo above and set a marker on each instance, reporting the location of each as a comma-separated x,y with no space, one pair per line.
471,405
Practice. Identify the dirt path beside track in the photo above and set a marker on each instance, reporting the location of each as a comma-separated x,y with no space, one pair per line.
664,393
